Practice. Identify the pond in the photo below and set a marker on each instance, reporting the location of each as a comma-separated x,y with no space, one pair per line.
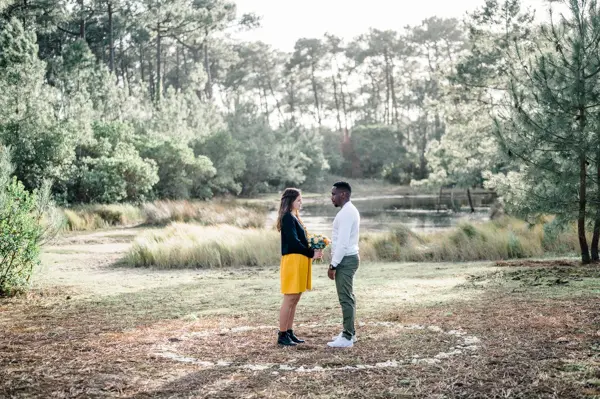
421,213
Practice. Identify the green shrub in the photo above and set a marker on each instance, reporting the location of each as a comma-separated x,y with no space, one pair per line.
20,233
25,221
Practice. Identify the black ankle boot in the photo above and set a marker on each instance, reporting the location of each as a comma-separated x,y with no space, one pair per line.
294,338
284,339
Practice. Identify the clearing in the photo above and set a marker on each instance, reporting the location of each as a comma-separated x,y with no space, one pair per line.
91,328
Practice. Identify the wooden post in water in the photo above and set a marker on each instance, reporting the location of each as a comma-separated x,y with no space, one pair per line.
470,200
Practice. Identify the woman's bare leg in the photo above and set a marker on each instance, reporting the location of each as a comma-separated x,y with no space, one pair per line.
290,321
288,308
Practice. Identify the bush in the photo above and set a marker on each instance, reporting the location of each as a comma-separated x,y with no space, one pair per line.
109,168
122,176
20,233
25,221
181,174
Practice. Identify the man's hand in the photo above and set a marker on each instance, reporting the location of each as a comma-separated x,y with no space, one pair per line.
331,274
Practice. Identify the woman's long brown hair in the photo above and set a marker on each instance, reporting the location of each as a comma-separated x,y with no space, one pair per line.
287,199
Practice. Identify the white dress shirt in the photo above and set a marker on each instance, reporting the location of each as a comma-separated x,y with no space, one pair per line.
344,240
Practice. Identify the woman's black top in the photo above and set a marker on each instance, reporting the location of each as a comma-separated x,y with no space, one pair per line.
293,237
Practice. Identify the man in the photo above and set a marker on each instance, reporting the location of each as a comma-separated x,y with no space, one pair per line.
345,260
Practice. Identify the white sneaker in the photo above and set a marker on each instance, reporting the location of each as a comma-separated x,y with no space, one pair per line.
341,342
341,335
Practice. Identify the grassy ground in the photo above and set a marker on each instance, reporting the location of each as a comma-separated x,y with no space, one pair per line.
527,329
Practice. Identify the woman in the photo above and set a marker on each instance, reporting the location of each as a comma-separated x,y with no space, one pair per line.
296,263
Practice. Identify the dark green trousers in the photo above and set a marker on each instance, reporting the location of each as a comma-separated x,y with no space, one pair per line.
344,281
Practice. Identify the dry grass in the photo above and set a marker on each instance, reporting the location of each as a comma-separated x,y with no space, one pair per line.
94,217
205,213
186,245
506,238
181,245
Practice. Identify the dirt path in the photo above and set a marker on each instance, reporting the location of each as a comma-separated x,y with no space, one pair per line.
87,263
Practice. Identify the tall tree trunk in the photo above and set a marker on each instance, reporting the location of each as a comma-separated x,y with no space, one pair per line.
142,69
585,255
208,87
337,102
185,63
343,96
394,100
124,71
111,42
151,80
292,100
439,129
163,82
277,102
82,20
177,69
197,58
313,79
266,102
23,20
422,146
596,236
158,63
386,112
374,98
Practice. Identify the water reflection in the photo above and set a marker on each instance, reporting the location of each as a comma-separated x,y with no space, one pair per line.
419,213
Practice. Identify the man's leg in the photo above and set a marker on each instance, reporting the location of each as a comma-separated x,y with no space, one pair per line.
344,280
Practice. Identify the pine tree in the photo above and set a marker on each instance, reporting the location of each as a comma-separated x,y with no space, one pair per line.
550,127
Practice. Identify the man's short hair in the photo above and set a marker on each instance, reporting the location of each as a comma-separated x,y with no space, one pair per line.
344,186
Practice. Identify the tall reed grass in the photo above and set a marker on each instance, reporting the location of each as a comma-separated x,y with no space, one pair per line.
205,213
184,245
192,246
505,238
93,217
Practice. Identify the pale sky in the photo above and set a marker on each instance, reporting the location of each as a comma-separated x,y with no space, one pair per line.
285,21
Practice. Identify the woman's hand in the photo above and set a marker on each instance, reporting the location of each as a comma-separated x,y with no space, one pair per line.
318,254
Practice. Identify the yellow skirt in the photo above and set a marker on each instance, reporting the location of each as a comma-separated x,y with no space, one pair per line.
296,274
